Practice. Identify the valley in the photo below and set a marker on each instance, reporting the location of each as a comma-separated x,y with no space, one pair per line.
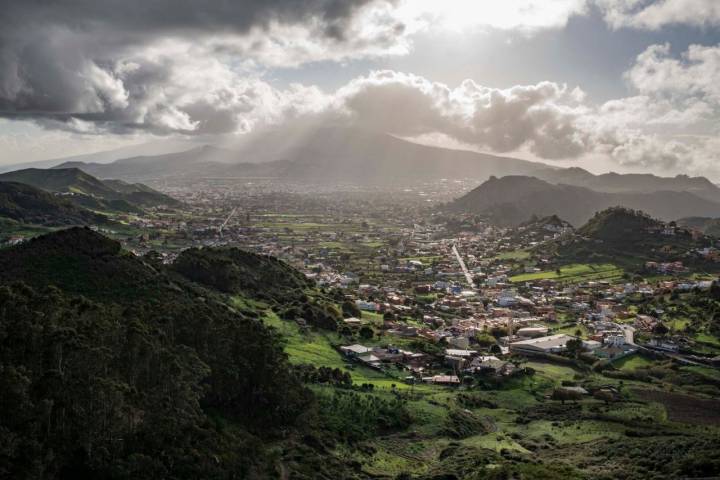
568,350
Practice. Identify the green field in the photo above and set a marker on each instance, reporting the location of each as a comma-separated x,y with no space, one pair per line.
514,255
579,272
317,349
631,362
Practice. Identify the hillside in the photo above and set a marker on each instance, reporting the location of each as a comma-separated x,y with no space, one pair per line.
29,205
90,192
708,226
629,238
513,200
128,363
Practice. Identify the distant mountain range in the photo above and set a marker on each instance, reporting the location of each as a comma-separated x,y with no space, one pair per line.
632,182
512,200
340,155
29,205
89,192
318,156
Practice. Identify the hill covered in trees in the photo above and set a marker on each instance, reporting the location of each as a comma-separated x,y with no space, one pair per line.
29,205
631,238
112,367
89,192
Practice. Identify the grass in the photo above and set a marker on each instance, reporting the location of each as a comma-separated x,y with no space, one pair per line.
708,372
579,272
707,338
631,362
514,255
372,317
316,348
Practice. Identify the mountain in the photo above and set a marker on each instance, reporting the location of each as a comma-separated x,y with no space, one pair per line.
29,205
512,200
204,160
105,156
633,183
86,190
327,154
365,157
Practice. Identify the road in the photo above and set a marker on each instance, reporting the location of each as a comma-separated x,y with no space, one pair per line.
226,221
465,271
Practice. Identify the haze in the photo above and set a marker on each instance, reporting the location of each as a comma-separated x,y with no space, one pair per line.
603,84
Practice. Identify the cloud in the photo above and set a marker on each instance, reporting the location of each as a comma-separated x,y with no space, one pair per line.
171,65
655,14
539,117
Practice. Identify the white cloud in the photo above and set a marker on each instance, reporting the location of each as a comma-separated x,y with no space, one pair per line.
539,117
655,14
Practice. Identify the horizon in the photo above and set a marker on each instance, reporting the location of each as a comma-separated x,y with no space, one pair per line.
604,85
359,239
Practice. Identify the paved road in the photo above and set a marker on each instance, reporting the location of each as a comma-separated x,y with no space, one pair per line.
465,271
226,221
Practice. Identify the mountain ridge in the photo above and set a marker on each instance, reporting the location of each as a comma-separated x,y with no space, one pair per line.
90,192
512,200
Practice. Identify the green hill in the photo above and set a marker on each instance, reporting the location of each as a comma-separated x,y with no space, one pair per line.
85,190
620,225
235,271
29,205
112,367
629,238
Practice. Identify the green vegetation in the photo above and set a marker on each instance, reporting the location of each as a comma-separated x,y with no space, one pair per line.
628,239
226,365
31,206
574,273
143,356
89,192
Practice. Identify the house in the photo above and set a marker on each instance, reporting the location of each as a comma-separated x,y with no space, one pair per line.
367,306
490,364
443,380
614,352
664,345
454,352
355,350
532,332
542,345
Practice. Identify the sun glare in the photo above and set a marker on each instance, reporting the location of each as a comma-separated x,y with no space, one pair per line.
461,15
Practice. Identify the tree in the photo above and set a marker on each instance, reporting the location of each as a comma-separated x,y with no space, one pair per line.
349,309
366,332
660,329
574,347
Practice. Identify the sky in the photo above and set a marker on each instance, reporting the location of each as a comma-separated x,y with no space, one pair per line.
621,85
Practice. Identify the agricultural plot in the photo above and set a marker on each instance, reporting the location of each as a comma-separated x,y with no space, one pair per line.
576,273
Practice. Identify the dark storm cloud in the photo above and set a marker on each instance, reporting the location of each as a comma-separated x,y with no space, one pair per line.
92,59
156,17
